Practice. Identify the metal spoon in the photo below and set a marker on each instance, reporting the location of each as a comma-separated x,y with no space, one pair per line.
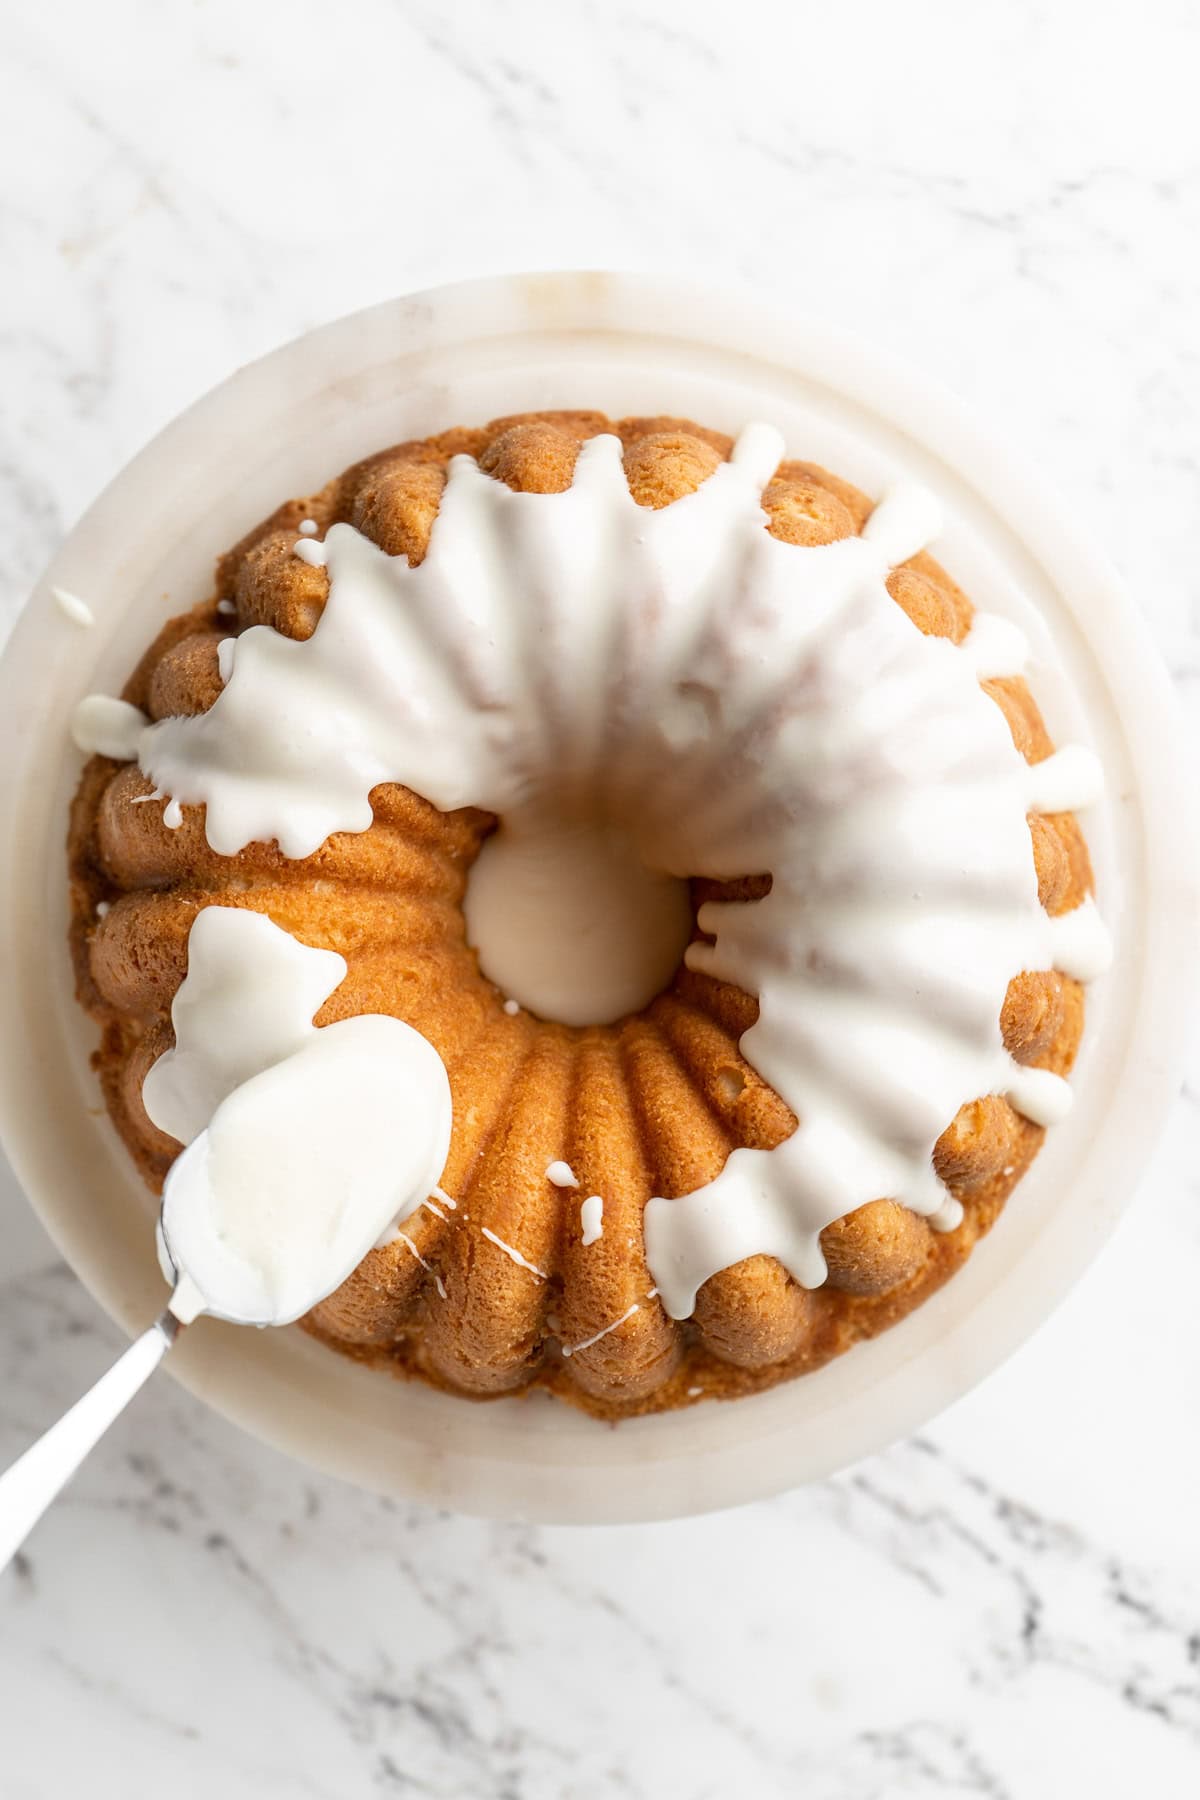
265,1123
37,1477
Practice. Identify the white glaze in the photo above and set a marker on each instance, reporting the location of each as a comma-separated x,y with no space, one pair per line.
562,1175
1079,943
282,1195
302,1142
75,609
574,1349
394,1235
309,551
591,1220
1065,782
247,1002
994,646
522,1262
514,636
187,1302
102,726
949,1215
738,705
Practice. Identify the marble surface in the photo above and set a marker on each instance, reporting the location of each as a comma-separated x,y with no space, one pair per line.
1005,1606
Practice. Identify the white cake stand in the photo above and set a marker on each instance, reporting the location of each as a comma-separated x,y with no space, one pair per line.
625,343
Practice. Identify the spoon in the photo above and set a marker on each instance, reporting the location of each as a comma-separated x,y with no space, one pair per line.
40,1475
37,1477
266,1211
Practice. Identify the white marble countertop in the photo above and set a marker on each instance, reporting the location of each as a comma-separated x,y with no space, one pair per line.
1008,1605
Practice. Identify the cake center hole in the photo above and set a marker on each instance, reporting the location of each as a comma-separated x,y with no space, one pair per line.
569,921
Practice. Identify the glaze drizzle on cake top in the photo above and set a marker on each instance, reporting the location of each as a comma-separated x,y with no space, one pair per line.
740,709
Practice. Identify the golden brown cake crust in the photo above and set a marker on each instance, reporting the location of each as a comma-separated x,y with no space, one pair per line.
651,1105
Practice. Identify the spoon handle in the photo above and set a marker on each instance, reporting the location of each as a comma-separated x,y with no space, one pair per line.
28,1487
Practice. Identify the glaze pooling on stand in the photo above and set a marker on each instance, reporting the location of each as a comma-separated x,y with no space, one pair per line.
73,607
737,705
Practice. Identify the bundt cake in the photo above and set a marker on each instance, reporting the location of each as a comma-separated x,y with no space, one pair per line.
761,993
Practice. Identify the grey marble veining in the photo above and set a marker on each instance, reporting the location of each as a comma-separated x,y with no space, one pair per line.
1007,1606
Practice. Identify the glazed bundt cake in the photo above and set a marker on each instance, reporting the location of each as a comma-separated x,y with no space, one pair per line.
689,1160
